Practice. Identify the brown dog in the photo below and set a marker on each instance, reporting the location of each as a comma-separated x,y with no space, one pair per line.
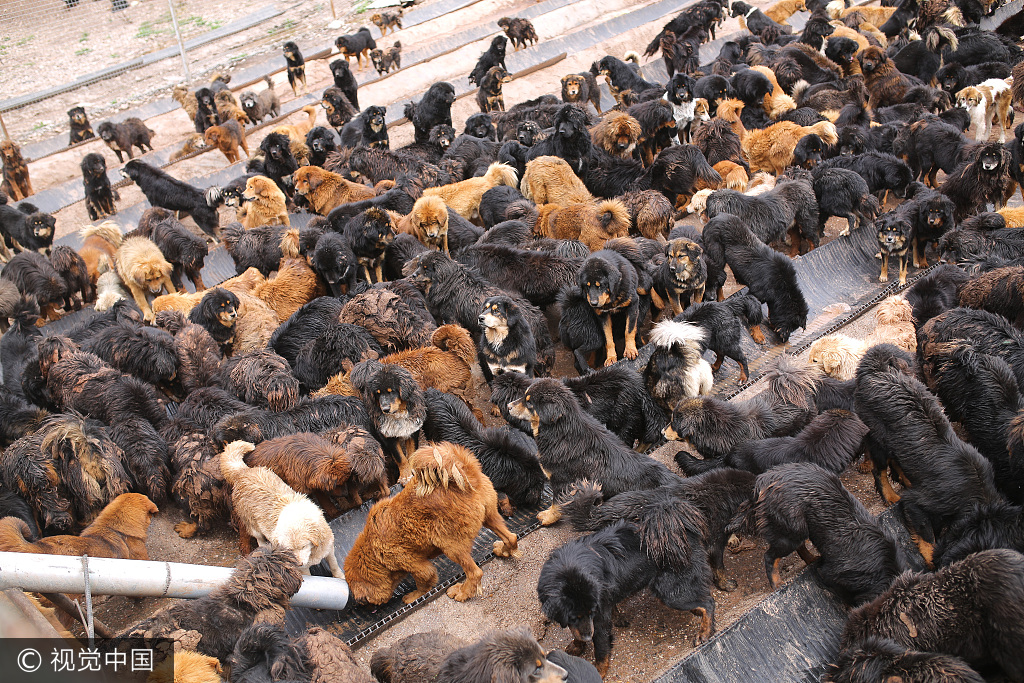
886,85
387,20
440,510
550,180
99,246
297,132
16,183
228,137
427,222
142,266
229,108
119,531
617,134
325,190
592,223
309,464
265,204
464,196
445,365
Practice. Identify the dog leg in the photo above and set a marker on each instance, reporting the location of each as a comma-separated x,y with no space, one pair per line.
550,516
508,544
757,334
771,567
186,529
576,648
718,362
884,275
378,271
609,342
332,562
425,576
469,588
721,293
903,269
630,351
805,554
882,483
707,625
445,242
794,242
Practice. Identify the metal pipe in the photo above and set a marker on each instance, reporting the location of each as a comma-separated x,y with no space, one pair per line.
145,579
181,43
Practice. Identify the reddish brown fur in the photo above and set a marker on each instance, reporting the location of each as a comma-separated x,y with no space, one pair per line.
886,85
228,137
294,286
99,246
369,478
309,464
446,365
617,134
16,183
326,190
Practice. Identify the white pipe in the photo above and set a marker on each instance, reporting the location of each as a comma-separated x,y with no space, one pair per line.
138,578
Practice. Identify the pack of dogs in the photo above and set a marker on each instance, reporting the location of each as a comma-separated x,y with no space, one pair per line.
344,357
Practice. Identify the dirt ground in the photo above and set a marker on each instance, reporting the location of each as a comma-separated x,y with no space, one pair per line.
655,636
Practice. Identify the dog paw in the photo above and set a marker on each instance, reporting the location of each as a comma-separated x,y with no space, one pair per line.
495,411
548,517
576,648
630,352
185,529
727,585
502,550
458,592
412,597
609,361
845,232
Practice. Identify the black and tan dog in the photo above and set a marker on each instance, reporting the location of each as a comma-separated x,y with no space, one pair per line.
488,96
520,31
387,20
507,343
356,45
680,277
894,236
296,67
80,126
121,137
16,183
581,88
99,196
609,280
386,60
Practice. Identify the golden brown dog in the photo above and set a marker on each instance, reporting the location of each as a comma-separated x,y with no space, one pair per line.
272,512
617,134
187,99
265,204
734,177
309,464
1014,217
781,11
895,324
119,531
593,223
550,180
440,510
771,149
297,132
255,324
187,666
142,266
874,15
325,190
886,85
193,143
777,102
16,182
229,108
228,137
184,302
294,286
445,365
427,222
464,196
99,246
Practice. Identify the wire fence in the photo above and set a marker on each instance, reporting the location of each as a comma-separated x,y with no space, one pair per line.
108,55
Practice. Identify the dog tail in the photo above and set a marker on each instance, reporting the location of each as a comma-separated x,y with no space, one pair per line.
799,88
290,243
826,130
409,111
632,56
214,197
746,307
23,530
582,506
612,212
793,382
654,45
502,174
108,231
744,522
270,82
666,526
455,339
442,466
232,460
835,9
668,333
25,314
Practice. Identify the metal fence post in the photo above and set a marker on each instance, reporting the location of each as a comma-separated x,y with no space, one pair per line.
181,44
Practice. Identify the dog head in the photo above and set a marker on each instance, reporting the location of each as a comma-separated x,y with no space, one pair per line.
41,225
893,232
951,76
680,89
220,305
93,165
291,51
992,158
377,57
498,47
377,20
106,131
836,355
570,597
599,281
426,268
442,135
214,134
374,117
321,140
687,416
570,122
528,133
871,58
334,261
809,151
263,189
480,125
619,133
515,657
10,153
495,315
504,23
277,147
386,388
545,402
442,92
683,259
77,116
308,178
151,271
572,87
204,96
939,211
969,98
430,218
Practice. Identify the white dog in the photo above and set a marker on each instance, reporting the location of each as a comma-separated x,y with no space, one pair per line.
988,103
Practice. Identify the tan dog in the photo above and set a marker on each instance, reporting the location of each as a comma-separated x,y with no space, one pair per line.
593,223
265,204
99,247
187,666
193,143
550,180
617,134
142,266
229,108
326,190
988,104
270,511
777,102
771,149
781,11
464,196
187,99
837,355
228,137
441,510
297,132
427,222
895,318
119,531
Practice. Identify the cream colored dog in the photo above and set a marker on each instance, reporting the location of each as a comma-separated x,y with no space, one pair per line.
838,355
272,512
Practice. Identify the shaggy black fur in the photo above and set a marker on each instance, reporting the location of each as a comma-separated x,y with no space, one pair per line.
169,193
434,108
345,81
321,142
723,323
216,313
569,141
789,206
979,181
881,171
936,292
99,197
845,194
279,162
366,130
930,146
258,248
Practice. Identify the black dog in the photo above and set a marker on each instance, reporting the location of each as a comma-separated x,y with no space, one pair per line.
979,181
99,197
356,45
493,56
986,527
790,206
845,194
931,216
936,292
334,261
622,77
337,107
182,248
278,161
895,234
971,609
387,59
368,235
769,275
756,20
880,659
121,137
881,171
321,142
680,277
206,110
367,130
435,108
723,322
296,66
930,146
582,582
507,343
169,193
80,128
570,140
609,280
345,81
216,313
797,502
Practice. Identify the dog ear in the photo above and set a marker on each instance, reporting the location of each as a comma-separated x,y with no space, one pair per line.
313,180
549,411
364,372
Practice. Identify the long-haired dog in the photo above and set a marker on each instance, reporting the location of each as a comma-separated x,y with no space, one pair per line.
676,370
259,106
132,132
723,323
258,590
570,139
142,266
16,183
119,531
296,66
507,343
550,180
573,445
790,207
99,197
99,247
441,510
489,96
797,502
618,134
464,196
384,60
593,223
885,84
325,190
988,103
228,137
428,223
894,319
395,403
881,659
446,364
581,88
771,149
273,513
979,181
970,609
265,204
182,248
216,313
837,355
78,288
172,194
